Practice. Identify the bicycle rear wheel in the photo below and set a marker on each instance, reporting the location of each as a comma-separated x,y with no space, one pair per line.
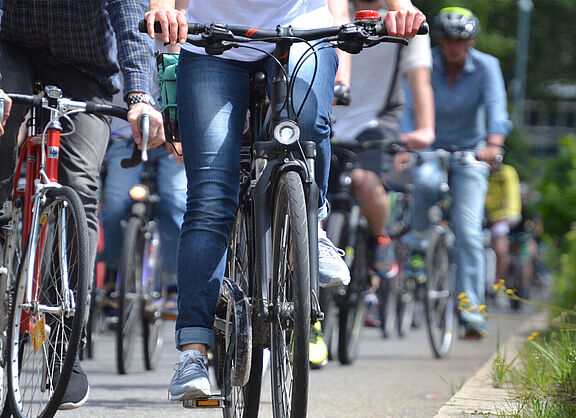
439,300
129,294
240,379
46,320
290,297
353,304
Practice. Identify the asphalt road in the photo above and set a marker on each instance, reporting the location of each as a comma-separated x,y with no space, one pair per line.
391,378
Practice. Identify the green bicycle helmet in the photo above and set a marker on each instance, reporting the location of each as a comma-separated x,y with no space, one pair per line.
457,23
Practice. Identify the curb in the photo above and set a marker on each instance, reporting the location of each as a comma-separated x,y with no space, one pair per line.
478,397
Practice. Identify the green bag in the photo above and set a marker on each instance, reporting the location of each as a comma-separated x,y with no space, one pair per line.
167,66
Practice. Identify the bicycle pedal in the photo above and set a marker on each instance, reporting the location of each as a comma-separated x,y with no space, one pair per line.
214,401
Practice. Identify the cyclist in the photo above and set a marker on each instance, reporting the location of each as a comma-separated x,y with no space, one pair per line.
79,46
171,182
212,101
503,212
470,106
373,115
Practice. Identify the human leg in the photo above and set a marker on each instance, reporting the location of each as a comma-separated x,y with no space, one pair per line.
468,185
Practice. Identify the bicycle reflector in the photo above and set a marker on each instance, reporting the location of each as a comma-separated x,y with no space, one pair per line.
366,16
139,192
287,132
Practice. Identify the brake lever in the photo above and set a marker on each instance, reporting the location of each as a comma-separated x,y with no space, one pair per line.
145,128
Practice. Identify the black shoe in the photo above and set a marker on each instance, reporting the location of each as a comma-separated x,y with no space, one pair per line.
77,391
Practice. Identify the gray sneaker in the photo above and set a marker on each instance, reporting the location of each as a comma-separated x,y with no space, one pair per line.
191,378
333,269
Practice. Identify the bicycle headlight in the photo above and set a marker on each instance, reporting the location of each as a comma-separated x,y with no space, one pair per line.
139,192
287,132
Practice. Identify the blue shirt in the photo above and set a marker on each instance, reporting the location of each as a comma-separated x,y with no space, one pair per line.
471,108
97,37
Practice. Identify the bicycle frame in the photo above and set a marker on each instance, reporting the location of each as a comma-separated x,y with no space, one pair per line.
269,162
41,152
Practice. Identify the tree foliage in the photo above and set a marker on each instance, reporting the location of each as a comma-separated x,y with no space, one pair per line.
552,50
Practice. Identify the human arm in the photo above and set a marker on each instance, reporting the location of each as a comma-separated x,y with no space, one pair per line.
423,99
136,60
494,97
339,9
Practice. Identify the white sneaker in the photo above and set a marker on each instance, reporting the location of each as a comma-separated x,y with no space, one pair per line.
333,269
191,378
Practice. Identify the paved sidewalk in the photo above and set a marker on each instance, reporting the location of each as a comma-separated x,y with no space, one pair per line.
478,397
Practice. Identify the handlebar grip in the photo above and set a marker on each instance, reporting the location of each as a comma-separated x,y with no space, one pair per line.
138,156
381,29
144,125
193,28
134,160
105,109
26,99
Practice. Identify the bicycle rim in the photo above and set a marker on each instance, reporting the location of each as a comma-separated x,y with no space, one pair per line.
152,321
45,334
290,294
439,301
353,309
129,296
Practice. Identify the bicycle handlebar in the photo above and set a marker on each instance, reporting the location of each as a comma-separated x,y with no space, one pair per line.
64,105
229,32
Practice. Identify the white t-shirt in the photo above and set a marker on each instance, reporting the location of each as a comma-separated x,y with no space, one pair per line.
375,87
264,14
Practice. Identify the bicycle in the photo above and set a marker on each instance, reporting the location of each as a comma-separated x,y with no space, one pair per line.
277,272
46,263
139,285
439,300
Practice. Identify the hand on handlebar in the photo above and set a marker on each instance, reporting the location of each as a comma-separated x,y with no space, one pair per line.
173,22
156,137
418,139
5,105
404,23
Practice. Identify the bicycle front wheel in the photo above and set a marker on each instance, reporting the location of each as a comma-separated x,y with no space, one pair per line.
129,294
439,301
290,296
49,306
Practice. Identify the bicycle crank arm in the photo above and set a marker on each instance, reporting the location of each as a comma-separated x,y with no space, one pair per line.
214,401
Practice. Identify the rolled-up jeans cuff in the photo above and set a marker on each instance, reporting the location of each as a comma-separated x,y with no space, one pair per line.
194,335
323,211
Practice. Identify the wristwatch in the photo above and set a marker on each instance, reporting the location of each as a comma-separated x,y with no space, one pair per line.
140,98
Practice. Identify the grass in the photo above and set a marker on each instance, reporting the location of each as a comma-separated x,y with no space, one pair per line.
542,378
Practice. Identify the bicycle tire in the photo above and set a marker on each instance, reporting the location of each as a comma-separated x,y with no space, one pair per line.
290,297
88,351
129,294
10,261
240,389
515,280
406,305
62,237
439,300
152,319
353,309
387,306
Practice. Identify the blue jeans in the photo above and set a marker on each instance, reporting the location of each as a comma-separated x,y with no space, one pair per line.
468,185
213,95
169,211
